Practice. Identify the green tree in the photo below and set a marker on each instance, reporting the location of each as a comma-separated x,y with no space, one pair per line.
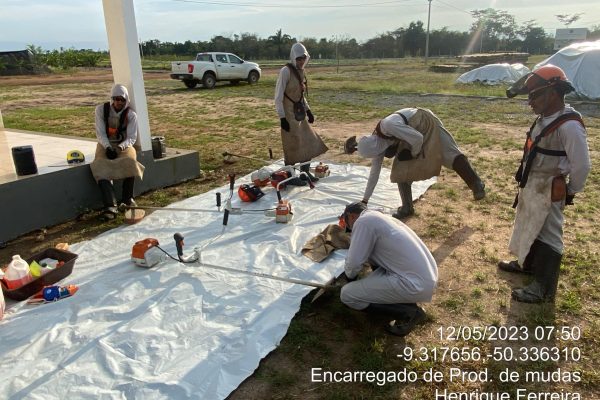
414,39
494,29
280,40
534,37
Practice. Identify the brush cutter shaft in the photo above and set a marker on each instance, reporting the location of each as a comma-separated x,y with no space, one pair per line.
170,209
267,276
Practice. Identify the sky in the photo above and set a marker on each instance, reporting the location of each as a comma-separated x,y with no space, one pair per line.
79,24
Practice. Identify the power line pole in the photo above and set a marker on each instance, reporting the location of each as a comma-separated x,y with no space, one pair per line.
427,37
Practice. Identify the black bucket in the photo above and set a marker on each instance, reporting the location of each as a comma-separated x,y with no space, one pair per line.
24,160
159,149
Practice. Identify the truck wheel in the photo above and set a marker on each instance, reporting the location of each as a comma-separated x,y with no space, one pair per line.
253,77
190,84
209,81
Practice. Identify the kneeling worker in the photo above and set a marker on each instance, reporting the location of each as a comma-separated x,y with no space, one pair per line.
404,270
116,158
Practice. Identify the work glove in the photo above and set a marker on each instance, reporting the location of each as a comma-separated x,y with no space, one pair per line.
311,117
569,199
111,153
342,280
285,125
404,155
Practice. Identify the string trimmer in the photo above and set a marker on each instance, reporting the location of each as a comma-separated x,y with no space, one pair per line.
144,254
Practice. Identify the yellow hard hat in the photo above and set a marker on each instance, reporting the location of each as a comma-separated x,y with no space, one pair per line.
75,157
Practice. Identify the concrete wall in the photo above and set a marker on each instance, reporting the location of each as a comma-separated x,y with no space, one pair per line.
41,200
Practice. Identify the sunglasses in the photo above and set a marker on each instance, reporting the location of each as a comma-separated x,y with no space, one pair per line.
119,98
301,58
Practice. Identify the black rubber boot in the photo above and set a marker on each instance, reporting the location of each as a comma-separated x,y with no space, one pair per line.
406,316
463,168
306,168
127,190
108,193
407,208
527,268
546,268
108,199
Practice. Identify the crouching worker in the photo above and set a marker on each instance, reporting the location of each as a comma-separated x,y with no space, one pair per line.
405,272
116,158
554,167
420,145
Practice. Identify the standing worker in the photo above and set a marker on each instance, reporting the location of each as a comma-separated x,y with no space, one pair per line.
554,167
420,145
404,270
300,142
116,158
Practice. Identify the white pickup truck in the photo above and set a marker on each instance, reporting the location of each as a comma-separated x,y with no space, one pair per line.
209,68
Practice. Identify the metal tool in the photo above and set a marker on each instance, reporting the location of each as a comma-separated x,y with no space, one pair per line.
196,259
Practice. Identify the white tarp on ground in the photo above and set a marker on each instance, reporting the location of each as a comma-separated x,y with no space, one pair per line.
581,63
495,74
178,331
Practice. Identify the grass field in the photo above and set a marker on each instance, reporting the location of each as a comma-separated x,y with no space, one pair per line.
467,238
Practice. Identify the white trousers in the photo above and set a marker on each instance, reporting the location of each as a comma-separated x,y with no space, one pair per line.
380,287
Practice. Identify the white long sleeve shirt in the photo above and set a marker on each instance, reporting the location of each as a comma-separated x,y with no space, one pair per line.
573,136
388,243
132,127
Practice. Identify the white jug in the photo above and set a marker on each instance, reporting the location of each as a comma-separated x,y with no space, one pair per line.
17,273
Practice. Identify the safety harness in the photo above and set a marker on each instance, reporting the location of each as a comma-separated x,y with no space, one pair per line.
531,148
115,133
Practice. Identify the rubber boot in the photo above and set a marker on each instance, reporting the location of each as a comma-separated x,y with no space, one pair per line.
306,168
463,168
546,268
527,268
407,208
127,190
406,316
108,199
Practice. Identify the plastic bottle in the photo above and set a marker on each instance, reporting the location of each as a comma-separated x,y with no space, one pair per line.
17,273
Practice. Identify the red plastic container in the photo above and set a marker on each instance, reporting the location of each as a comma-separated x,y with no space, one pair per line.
47,279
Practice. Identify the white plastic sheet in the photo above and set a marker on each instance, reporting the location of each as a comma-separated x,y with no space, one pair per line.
178,331
495,74
581,63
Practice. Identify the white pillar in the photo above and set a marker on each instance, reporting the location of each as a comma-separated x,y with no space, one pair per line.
119,17
1,122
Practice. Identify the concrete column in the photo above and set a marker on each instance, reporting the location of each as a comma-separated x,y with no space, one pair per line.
119,17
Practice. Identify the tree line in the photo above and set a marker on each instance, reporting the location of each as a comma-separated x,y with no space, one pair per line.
491,30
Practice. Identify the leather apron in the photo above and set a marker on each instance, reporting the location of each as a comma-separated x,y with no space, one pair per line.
429,161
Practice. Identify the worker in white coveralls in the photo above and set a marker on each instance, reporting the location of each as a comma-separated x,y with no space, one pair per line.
404,270
420,145
554,167
300,142
116,158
